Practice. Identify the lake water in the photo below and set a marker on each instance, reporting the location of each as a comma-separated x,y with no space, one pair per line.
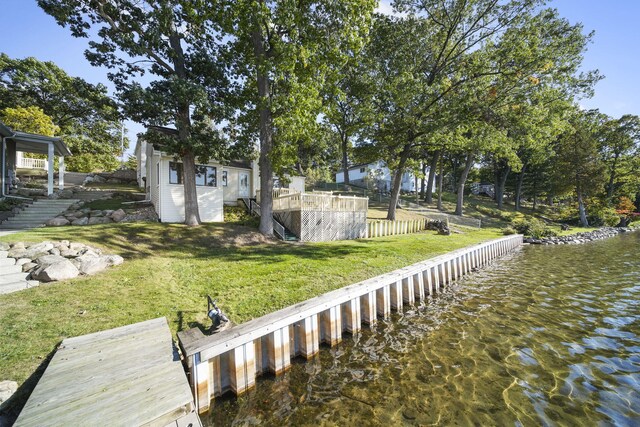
549,335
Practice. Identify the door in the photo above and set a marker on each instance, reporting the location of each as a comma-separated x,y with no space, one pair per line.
243,183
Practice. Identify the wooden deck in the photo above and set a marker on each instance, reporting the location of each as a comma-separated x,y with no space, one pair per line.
128,376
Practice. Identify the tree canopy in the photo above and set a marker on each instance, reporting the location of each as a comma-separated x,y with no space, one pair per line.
176,45
86,116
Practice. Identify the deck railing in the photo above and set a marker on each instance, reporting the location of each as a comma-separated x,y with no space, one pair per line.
29,163
320,202
278,192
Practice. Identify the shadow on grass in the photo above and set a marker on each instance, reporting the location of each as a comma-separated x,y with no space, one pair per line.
233,242
12,407
180,324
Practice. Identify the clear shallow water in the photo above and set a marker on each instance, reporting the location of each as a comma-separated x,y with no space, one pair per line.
545,336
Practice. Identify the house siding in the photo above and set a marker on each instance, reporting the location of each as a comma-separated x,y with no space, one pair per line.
210,204
231,191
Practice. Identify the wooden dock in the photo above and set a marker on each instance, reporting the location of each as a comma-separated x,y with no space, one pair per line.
128,376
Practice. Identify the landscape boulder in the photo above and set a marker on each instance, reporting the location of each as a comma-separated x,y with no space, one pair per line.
90,265
118,215
98,220
57,222
68,253
77,246
113,259
62,270
19,252
65,194
80,221
28,266
7,388
47,260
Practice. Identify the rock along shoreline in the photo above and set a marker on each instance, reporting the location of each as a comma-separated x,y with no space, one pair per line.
579,238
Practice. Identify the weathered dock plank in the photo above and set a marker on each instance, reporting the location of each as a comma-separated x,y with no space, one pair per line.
128,376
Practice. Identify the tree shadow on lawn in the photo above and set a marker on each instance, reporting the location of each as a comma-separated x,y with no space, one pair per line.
234,242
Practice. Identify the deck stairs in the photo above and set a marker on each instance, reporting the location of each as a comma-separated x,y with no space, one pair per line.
282,232
37,213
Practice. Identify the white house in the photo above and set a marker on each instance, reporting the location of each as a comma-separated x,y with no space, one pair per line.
216,184
376,175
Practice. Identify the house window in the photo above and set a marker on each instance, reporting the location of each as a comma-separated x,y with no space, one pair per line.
206,176
224,178
175,173
363,170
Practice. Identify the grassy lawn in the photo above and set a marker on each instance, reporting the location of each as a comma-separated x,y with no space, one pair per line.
106,204
169,269
119,187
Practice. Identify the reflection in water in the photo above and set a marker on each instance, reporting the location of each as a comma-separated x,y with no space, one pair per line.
548,335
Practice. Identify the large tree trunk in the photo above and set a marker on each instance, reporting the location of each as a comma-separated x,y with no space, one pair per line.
345,157
463,179
612,180
397,183
266,138
191,211
581,209
519,183
183,124
432,173
440,179
535,192
501,182
423,181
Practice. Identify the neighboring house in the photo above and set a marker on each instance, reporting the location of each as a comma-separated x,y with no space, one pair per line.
376,176
216,184
15,143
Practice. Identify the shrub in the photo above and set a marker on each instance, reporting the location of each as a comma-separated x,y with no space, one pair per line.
33,184
239,215
508,231
603,216
625,205
532,228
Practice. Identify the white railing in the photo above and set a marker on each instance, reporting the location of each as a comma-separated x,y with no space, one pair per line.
320,202
29,163
278,192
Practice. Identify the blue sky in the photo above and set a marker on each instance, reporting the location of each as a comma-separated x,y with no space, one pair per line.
27,31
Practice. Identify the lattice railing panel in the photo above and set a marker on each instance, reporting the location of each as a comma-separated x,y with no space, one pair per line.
318,226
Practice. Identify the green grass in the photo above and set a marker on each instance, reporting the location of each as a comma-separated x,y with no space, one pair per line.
169,269
120,187
105,204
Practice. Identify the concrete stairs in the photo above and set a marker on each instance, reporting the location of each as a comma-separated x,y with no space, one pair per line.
12,279
37,213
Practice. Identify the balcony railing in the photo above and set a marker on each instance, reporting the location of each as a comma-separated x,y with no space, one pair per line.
29,163
278,192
